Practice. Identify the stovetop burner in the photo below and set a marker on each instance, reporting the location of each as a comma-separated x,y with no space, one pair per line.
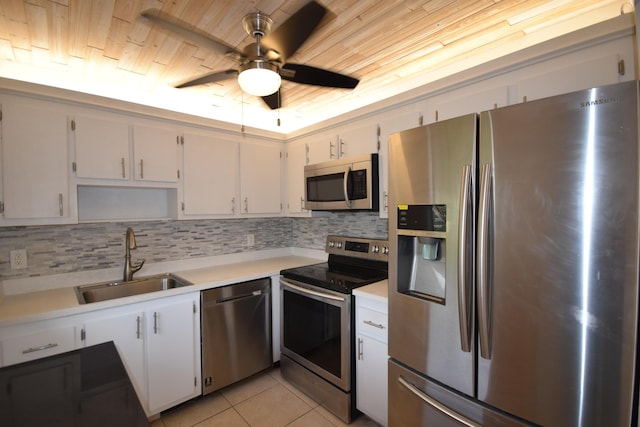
353,262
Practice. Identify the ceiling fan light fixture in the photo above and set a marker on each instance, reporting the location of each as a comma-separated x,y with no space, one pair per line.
259,78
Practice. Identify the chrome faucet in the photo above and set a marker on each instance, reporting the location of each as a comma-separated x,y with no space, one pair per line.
129,244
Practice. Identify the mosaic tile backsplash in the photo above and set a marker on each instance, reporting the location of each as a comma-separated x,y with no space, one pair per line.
72,248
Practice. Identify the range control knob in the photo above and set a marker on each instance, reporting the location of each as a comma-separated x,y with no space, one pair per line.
385,250
339,245
375,249
331,244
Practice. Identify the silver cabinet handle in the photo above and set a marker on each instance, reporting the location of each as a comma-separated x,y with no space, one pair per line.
301,203
233,205
155,322
374,324
386,201
123,171
60,204
464,246
437,405
360,345
138,327
482,264
246,204
331,155
141,168
341,148
42,347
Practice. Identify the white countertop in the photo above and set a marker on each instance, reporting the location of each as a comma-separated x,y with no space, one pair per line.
378,291
17,308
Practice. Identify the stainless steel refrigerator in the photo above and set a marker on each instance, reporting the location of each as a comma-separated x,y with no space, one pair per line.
514,272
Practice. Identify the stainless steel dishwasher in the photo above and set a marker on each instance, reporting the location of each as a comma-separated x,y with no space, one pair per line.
236,333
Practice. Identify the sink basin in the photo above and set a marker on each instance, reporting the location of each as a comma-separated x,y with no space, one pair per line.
118,289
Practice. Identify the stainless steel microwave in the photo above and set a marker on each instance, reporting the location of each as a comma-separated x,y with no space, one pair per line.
344,184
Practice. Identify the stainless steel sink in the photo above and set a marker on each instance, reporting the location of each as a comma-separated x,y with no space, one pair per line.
118,289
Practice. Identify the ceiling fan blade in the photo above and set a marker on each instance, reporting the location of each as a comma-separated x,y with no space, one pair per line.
209,78
288,37
191,34
308,75
274,101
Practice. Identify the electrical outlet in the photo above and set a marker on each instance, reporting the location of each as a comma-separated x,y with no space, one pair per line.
18,259
250,240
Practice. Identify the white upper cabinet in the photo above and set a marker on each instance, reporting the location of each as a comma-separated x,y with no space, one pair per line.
155,150
34,164
260,177
467,100
210,181
358,138
297,153
392,122
561,78
106,144
101,147
322,147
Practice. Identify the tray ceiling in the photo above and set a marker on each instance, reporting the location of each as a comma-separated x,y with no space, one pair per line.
104,47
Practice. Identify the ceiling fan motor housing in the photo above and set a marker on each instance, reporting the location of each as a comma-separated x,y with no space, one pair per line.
257,24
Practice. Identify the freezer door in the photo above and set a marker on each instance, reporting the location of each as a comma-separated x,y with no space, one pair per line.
558,257
431,237
418,401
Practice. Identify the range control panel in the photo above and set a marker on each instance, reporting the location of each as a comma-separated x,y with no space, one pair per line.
376,249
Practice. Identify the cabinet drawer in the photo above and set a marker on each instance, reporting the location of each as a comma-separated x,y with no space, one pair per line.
372,323
34,346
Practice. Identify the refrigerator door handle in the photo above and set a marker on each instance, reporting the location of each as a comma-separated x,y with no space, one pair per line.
437,405
464,281
483,261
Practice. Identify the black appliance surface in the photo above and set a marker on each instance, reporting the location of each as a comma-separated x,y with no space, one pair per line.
85,387
353,262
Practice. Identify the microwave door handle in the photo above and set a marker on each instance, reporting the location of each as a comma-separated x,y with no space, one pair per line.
345,183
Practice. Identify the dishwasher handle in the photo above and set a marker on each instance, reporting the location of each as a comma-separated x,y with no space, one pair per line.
236,297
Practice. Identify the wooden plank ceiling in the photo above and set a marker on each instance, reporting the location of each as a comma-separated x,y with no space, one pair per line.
87,44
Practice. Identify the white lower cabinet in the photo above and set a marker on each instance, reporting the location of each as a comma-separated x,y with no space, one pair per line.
32,341
372,358
159,344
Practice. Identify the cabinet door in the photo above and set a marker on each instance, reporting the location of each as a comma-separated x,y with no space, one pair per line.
172,352
155,150
126,332
371,378
210,175
38,342
323,147
260,166
102,148
296,161
358,138
402,119
464,101
35,164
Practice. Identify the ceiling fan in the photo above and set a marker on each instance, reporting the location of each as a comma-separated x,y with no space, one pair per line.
262,64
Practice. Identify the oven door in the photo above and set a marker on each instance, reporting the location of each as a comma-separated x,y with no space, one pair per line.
316,330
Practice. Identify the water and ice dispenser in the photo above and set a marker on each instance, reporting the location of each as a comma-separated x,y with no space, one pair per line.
422,251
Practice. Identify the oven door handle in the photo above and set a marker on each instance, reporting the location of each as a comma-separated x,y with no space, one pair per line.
311,292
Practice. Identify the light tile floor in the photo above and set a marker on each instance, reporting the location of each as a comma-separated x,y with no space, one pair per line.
265,400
